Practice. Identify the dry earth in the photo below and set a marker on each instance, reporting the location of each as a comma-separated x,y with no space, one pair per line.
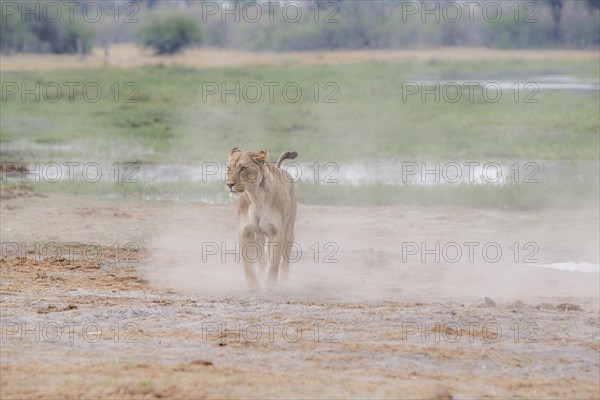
142,316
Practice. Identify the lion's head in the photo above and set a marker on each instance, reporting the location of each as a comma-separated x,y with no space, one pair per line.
244,169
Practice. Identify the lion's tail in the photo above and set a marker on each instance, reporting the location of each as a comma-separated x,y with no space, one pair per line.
288,155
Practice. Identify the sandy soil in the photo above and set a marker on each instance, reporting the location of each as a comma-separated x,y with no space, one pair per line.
129,55
142,316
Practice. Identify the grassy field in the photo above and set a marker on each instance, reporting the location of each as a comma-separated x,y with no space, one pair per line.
359,113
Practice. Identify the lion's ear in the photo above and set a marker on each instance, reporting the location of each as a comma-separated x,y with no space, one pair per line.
261,156
233,151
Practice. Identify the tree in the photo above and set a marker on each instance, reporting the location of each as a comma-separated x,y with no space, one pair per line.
43,34
556,8
168,35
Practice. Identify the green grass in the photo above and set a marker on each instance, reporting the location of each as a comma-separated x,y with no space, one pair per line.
170,123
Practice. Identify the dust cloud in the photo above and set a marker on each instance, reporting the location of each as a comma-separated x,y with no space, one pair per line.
387,254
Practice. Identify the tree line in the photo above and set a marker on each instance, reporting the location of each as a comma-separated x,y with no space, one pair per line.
169,26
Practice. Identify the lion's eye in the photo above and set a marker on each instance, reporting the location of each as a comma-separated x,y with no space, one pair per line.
243,168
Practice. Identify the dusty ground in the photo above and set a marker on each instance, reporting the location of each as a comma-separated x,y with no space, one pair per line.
129,55
142,316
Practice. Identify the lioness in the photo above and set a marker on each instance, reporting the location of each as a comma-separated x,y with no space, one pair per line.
266,212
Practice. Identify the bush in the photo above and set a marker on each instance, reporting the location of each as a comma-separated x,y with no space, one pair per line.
170,34
63,37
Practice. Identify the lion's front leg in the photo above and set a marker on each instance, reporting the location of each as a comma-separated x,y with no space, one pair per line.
246,243
275,246
288,246
264,256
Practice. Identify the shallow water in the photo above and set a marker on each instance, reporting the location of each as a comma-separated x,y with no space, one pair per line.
573,267
359,172
543,82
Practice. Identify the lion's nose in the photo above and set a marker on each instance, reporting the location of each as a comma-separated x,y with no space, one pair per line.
230,185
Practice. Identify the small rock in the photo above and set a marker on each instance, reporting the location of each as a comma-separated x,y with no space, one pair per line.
569,307
488,303
50,308
202,362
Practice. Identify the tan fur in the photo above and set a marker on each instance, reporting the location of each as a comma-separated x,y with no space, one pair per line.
266,212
